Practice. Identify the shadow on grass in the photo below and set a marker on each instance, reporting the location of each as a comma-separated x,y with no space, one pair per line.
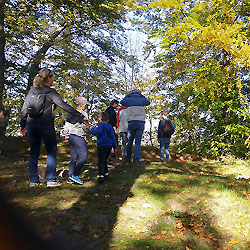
88,222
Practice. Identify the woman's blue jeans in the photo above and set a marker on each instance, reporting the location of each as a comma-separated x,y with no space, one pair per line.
164,145
135,131
36,132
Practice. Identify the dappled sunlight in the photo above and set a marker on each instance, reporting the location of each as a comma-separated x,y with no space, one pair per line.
231,212
155,205
169,208
60,199
66,204
136,216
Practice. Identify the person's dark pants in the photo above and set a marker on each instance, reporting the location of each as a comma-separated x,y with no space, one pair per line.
36,132
103,153
79,154
135,131
124,144
112,155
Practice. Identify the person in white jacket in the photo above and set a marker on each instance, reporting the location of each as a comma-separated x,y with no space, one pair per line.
75,133
122,125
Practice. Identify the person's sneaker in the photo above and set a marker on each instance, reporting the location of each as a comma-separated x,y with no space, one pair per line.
75,179
53,184
100,179
36,184
70,181
106,175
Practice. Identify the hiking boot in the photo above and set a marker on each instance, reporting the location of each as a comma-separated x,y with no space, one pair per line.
100,179
36,184
76,179
53,184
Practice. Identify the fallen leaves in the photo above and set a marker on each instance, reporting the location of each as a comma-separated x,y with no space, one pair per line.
233,241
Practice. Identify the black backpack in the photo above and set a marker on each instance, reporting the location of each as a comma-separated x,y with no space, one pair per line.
35,104
168,128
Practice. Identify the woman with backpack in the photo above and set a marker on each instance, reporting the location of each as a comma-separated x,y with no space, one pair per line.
165,131
37,119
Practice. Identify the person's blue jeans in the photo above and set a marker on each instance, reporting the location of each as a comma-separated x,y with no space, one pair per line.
79,154
164,145
135,131
36,132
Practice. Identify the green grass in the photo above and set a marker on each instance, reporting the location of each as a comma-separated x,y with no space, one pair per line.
177,205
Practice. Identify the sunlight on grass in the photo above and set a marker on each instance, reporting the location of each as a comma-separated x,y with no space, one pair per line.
175,205
60,199
89,184
214,211
231,212
232,166
66,204
135,217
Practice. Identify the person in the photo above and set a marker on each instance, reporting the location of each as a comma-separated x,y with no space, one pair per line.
135,103
42,126
122,127
113,121
105,141
75,133
164,134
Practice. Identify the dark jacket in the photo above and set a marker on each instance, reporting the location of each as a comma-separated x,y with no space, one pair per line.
105,135
112,116
135,103
135,99
161,126
52,100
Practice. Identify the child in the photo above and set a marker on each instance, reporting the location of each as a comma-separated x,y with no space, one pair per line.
165,131
75,132
105,141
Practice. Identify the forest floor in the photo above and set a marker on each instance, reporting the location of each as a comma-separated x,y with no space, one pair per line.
187,203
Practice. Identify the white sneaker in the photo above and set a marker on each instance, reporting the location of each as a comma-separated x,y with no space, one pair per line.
54,184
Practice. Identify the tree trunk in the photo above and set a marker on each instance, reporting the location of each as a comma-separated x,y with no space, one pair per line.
40,54
2,55
4,118
4,115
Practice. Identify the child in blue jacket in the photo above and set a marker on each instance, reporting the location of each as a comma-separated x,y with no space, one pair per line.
105,141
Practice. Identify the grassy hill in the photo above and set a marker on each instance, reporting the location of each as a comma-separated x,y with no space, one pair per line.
187,203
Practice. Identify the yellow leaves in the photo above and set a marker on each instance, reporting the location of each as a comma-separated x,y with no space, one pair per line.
247,142
164,232
233,241
164,4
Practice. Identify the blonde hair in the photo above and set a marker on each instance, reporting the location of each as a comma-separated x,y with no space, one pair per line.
164,114
42,77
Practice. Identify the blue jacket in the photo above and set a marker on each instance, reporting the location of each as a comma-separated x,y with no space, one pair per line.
105,135
135,99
